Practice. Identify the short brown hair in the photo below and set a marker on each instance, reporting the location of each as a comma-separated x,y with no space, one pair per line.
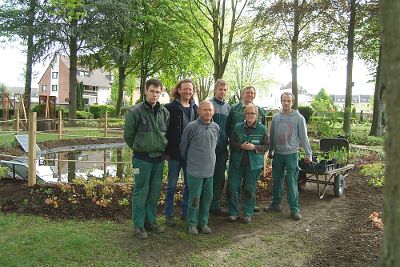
154,82
289,94
249,87
219,82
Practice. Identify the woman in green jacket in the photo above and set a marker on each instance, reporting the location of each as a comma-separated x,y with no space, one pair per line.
249,142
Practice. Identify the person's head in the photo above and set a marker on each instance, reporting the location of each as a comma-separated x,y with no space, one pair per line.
248,95
206,110
184,90
220,89
251,113
153,92
287,101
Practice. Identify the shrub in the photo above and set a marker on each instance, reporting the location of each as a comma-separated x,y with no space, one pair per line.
99,111
306,111
84,115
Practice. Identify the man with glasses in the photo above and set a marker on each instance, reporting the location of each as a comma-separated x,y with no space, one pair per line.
236,115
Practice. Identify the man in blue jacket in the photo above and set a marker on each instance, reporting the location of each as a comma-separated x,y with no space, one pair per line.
145,129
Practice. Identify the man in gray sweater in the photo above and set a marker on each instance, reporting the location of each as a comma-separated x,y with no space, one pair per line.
288,131
198,143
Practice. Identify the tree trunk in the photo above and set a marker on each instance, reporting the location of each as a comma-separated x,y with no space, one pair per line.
29,56
390,255
73,59
349,70
121,86
294,52
143,78
377,127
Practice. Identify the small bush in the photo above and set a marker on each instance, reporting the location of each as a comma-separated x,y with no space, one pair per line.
84,115
377,173
99,111
307,112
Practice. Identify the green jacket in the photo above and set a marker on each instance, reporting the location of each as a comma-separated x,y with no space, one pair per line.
145,128
236,115
257,136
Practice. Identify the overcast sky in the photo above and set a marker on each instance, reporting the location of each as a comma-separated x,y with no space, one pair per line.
319,73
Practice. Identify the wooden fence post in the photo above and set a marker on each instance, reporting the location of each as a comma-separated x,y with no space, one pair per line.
105,124
17,119
32,150
59,124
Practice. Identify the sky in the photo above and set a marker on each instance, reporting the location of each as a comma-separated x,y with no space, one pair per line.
318,73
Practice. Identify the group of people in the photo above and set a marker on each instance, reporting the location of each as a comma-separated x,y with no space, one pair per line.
195,140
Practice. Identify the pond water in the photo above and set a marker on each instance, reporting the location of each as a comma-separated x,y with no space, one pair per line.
87,164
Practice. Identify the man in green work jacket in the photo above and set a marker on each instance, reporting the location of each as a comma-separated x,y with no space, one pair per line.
145,128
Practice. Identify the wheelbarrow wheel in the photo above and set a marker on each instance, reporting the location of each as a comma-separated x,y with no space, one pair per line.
301,184
338,185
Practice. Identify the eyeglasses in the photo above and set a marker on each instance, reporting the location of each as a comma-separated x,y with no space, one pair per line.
250,113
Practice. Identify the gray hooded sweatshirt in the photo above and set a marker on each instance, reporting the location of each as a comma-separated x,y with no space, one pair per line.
288,131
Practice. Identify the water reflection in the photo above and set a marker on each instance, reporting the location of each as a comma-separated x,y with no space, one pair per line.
87,164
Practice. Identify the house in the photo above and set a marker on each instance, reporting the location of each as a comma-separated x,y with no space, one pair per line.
55,82
360,102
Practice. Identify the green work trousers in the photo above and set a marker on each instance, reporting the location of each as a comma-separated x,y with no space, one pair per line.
280,164
219,180
200,197
146,193
248,179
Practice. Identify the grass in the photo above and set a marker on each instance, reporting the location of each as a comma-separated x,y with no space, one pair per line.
36,241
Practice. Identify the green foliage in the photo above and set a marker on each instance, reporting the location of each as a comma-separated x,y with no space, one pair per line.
361,117
99,111
79,97
377,173
323,95
329,116
2,89
307,112
354,113
3,172
365,139
84,115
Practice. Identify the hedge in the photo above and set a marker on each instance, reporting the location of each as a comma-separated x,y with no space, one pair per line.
99,111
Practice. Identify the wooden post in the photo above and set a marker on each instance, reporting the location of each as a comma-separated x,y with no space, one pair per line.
17,119
105,124
60,124
32,150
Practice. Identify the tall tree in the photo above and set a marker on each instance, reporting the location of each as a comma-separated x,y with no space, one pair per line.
390,255
296,28
377,121
31,23
75,21
349,68
214,23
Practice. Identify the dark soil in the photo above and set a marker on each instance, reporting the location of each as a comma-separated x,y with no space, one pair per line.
341,231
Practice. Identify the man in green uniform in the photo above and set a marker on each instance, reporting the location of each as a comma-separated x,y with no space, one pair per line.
145,128
221,113
236,114
249,142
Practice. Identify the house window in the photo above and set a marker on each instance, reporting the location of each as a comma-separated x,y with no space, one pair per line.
86,101
54,75
54,88
44,88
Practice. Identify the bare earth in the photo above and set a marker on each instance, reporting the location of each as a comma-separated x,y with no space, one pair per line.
334,231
